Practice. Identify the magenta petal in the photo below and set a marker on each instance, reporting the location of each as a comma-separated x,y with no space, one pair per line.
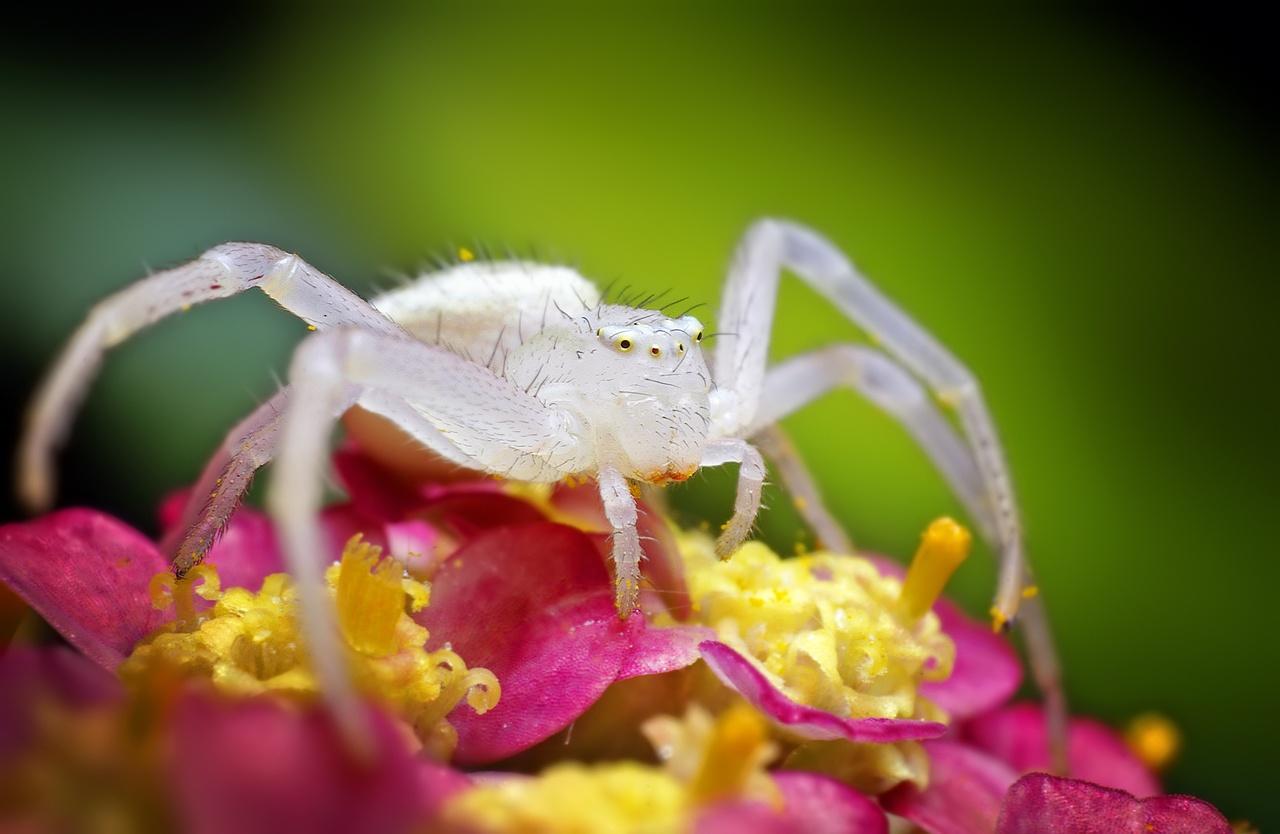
965,789
33,678
468,512
813,804
986,671
824,806
87,575
261,765
1096,753
374,491
1044,804
745,818
740,674
657,650
534,604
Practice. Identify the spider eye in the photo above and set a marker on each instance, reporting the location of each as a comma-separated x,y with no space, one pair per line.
680,348
655,351
622,343
698,336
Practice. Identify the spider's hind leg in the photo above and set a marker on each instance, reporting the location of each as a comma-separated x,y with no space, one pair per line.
222,484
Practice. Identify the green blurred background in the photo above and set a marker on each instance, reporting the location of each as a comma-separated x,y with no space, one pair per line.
1082,205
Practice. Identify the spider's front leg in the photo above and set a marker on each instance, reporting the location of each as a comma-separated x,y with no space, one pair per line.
221,272
620,509
494,424
746,504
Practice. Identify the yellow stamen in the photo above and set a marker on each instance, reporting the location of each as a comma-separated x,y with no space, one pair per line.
1154,739
466,255
573,798
165,589
730,759
944,545
370,597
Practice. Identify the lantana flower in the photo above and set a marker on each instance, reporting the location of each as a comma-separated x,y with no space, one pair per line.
758,693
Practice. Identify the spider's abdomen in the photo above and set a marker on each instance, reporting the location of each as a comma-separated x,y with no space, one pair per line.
483,310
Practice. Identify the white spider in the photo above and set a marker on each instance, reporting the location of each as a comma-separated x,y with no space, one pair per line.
521,370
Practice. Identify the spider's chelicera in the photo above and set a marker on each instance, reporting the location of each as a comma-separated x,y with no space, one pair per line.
522,370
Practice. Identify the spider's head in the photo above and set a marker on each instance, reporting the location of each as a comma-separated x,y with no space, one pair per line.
639,378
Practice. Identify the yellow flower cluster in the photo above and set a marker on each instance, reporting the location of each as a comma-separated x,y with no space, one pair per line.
249,642
706,761
828,630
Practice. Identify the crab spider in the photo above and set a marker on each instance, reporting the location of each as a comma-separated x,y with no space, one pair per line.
521,370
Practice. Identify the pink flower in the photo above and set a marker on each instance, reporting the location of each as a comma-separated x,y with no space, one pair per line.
519,586
1043,804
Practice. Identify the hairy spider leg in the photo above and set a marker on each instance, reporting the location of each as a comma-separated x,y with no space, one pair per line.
776,446
220,272
744,399
746,504
498,426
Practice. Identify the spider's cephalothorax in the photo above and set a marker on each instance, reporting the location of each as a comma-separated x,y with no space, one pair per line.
635,379
520,370
628,387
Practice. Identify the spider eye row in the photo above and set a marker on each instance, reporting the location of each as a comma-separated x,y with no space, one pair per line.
624,342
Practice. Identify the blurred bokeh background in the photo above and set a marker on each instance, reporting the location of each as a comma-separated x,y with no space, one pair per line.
1082,204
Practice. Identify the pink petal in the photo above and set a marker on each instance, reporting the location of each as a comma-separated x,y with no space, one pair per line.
31,678
740,674
986,671
824,806
465,507
261,765
534,604
656,650
814,804
1095,752
1043,804
87,575
745,818
374,491
468,513
965,789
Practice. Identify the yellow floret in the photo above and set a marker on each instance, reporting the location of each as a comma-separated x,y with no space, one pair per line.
571,798
249,643
707,761
827,629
